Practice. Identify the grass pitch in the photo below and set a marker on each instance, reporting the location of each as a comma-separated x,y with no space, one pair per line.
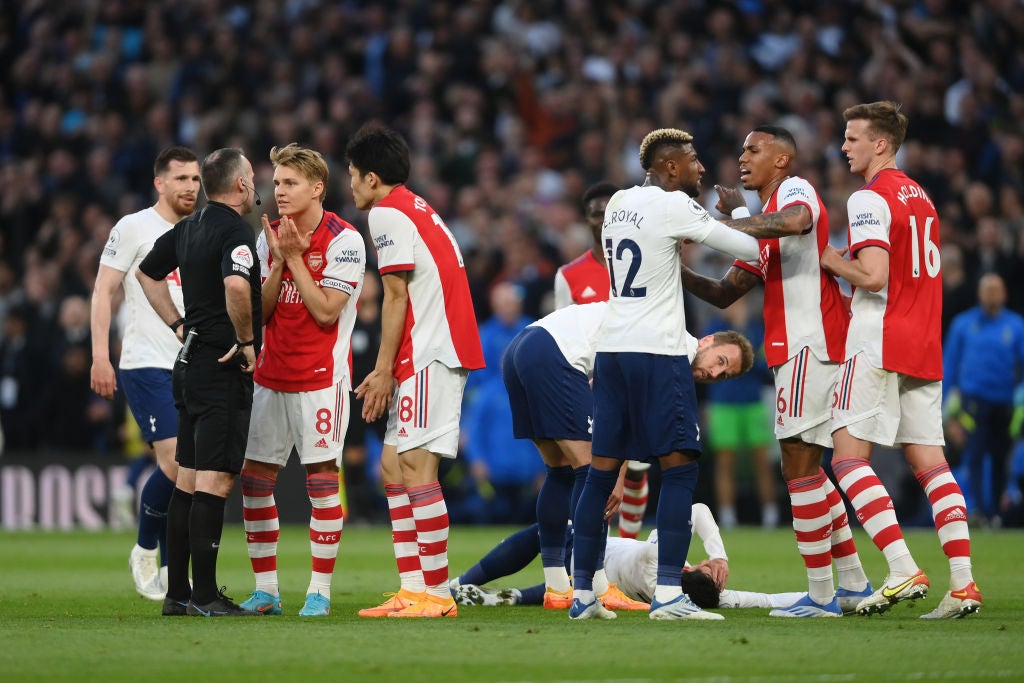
68,613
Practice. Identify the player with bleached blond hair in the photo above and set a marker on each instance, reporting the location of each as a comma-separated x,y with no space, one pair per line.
644,401
312,265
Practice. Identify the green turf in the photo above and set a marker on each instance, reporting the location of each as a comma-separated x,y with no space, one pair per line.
68,613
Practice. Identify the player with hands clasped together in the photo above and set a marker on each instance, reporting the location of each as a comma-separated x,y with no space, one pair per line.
312,264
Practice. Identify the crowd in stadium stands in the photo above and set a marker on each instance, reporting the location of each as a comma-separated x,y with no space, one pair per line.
512,109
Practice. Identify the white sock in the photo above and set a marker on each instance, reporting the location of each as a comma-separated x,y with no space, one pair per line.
663,593
557,579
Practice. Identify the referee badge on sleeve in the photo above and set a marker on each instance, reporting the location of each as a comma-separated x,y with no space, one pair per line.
242,255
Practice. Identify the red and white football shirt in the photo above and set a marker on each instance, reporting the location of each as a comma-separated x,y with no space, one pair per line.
898,328
803,305
581,281
440,324
298,354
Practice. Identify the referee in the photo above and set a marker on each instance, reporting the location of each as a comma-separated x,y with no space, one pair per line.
214,251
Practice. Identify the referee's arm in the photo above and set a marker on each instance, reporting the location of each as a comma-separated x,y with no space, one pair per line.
237,300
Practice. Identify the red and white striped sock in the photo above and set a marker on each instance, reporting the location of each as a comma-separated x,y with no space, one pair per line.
325,524
849,570
812,522
431,514
634,507
949,510
262,528
875,512
403,536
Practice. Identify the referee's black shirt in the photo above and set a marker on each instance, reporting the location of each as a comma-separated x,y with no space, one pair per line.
206,247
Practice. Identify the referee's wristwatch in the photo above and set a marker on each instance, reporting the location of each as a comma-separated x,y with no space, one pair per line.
240,344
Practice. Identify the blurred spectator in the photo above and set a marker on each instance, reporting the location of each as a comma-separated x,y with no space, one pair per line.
506,321
506,471
511,109
958,293
984,379
24,372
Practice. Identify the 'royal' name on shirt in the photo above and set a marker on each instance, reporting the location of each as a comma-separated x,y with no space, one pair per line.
622,216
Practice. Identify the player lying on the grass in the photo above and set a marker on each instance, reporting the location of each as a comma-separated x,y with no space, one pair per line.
629,563
546,370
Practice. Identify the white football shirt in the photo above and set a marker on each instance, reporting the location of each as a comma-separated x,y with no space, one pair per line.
575,330
147,342
633,565
641,233
440,324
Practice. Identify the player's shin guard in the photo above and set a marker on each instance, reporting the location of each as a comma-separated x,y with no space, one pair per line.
262,528
875,512
552,515
588,526
849,569
949,510
153,503
403,536
634,503
812,522
325,526
431,518
675,504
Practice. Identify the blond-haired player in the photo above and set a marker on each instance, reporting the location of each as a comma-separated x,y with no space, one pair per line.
312,265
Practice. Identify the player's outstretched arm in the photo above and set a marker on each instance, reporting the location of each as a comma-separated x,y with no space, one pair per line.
721,293
792,220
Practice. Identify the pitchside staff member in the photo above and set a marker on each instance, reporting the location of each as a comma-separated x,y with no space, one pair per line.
215,251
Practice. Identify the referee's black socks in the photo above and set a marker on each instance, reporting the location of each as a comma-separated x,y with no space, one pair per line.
205,527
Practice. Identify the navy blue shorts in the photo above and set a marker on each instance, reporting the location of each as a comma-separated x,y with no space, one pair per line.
645,406
151,400
550,399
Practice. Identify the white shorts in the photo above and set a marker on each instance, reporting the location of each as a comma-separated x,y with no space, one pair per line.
803,398
426,409
885,407
314,422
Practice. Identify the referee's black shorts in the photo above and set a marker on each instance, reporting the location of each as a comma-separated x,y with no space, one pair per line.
214,402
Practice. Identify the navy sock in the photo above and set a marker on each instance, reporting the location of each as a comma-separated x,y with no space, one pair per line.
580,475
178,551
511,555
156,497
588,525
553,514
534,595
206,523
675,503
580,480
